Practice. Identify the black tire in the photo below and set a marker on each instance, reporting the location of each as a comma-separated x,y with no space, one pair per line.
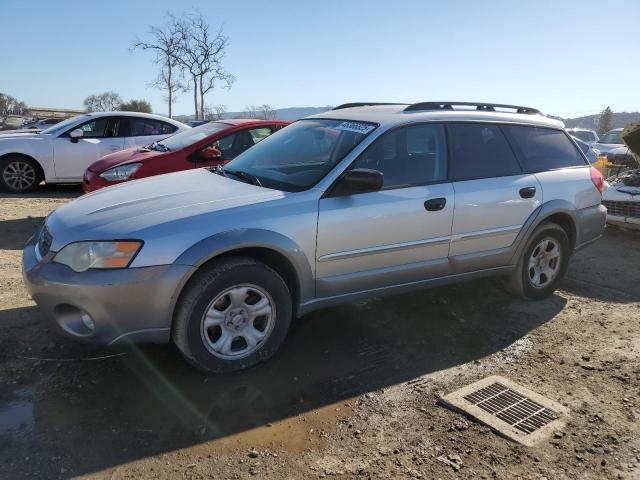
520,284
31,171
212,280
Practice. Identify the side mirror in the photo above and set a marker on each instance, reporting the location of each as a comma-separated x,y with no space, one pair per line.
211,153
76,134
358,180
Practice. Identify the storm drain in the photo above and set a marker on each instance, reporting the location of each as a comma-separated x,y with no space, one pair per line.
510,409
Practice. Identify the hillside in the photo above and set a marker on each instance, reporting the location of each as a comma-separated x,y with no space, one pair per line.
620,119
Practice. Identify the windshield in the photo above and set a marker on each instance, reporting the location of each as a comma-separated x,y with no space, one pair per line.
59,127
612,137
298,156
193,135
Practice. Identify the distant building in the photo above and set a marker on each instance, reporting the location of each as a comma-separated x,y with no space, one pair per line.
54,112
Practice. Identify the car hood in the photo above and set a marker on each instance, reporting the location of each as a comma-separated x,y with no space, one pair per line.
129,155
8,134
158,206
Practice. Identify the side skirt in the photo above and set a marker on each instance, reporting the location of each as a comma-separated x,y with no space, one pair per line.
324,302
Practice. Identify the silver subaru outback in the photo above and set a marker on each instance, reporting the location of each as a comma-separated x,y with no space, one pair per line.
364,200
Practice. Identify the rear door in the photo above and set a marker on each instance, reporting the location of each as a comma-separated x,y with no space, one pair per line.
397,235
101,136
494,196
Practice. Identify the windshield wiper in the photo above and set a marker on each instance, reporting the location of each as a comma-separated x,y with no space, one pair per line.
247,177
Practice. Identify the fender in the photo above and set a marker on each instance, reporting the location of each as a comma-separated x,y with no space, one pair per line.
538,216
231,240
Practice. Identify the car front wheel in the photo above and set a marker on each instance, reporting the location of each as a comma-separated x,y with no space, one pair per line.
19,174
234,313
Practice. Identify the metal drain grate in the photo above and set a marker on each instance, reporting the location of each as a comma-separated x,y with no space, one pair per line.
515,409
510,409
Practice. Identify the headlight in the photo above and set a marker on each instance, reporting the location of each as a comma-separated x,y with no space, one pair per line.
120,173
82,256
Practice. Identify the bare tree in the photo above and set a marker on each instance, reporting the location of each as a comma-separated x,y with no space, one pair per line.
251,111
266,112
200,55
165,43
214,112
263,112
103,102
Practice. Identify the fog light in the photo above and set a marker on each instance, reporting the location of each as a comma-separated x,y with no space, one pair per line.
87,321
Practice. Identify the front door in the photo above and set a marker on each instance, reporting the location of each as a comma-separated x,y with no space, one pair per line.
72,156
397,235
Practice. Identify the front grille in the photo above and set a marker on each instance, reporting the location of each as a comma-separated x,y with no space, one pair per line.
622,209
44,241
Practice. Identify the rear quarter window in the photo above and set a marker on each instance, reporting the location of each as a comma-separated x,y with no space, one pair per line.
542,149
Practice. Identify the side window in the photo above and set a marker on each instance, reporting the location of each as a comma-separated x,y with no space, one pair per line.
480,151
409,156
94,129
258,134
544,148
140,127
229,145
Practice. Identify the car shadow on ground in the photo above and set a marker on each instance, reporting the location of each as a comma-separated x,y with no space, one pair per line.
15,231
48,191
614,280
100,414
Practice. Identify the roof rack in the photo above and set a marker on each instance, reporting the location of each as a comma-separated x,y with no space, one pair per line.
485,107
363,104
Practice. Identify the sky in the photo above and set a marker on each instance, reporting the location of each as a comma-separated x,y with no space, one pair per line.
566,58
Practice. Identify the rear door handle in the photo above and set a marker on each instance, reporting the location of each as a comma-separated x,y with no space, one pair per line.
435,204
528,192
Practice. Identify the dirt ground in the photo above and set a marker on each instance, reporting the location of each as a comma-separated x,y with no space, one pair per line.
353,393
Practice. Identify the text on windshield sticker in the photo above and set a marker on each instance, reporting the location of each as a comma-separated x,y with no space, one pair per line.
357,127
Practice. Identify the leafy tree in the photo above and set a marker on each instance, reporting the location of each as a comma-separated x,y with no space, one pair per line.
11,106
605,123
103,102
136,106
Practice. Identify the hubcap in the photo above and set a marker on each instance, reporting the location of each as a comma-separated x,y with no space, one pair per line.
19,175
544,263
238,321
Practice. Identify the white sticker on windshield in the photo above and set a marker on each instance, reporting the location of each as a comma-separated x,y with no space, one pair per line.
357,127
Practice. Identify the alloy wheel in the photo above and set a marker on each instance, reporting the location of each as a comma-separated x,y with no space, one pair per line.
238,321
544,262
19,175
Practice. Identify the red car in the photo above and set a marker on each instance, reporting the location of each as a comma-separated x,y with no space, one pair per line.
208,145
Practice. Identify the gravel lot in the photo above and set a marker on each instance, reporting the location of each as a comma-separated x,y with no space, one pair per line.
352,394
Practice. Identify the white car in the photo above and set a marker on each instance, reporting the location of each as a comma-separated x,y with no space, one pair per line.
61,153
622,199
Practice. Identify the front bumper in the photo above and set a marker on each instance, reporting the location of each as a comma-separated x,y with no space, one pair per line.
129,304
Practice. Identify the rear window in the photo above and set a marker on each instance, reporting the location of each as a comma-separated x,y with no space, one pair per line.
480,151
583,135
543,149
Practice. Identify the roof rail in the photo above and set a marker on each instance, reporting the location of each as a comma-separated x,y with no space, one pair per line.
485,107
363,104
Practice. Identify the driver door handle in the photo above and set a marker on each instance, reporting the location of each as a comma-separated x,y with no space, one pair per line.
528,192
435,204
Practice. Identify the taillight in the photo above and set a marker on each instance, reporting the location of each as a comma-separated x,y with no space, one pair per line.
597,179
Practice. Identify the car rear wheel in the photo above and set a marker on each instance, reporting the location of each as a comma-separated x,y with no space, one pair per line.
234,313
19,174
542,265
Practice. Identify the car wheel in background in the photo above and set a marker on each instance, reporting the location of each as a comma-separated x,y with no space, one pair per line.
233,314
19,174
542,265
